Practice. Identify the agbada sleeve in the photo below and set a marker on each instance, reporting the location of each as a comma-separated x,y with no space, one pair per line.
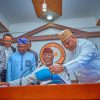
87,52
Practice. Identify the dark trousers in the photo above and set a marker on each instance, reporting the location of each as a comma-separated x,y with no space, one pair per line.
3,76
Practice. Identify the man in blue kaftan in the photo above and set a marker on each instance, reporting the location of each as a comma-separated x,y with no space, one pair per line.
20,61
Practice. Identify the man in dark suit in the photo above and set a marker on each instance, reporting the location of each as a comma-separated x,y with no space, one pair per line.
32,51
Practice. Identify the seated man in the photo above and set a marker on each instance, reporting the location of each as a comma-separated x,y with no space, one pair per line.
42,74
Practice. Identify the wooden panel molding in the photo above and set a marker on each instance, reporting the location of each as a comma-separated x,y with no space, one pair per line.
3,28
76,32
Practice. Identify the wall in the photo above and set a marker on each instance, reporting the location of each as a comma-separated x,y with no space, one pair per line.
86,24
4,21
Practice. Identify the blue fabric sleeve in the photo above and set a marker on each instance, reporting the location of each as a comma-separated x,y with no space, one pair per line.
43,75
57,78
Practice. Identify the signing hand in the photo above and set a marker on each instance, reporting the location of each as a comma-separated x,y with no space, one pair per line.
56,69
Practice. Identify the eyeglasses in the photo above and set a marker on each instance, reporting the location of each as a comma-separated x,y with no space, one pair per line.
21,46
7,41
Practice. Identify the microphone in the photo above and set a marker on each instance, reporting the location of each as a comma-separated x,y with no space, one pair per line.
20,82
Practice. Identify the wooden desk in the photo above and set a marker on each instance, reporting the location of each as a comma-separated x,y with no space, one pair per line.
51,92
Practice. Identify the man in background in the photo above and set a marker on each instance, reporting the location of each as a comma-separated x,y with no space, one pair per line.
6,50
32,51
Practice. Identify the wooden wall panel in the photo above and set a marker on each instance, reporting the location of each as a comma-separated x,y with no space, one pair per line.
78,33
52,92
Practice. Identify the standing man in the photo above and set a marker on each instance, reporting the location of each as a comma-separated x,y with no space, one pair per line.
32,51
84,59
20,61
5,52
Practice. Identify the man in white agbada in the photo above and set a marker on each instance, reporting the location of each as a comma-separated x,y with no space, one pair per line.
43,74
84,61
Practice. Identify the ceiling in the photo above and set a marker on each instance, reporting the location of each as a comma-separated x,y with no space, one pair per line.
22,11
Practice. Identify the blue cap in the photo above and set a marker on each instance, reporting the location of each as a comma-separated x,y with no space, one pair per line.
22,41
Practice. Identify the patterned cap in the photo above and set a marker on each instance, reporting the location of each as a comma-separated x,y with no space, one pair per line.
47,50
65,35
22,41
